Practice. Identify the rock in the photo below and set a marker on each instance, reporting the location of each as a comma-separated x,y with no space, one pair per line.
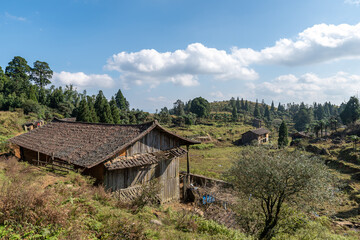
156,222
317,150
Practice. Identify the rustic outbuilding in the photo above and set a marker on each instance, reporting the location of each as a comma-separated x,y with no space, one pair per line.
257,123
261,135
32,125
122,157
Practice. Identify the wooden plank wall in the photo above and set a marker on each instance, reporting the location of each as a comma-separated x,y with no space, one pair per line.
154,141
167,172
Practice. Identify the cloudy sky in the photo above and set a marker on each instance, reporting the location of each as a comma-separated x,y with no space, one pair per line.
158,51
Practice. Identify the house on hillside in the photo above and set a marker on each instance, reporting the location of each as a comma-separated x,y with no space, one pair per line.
32,125
257,123
261,135
122,157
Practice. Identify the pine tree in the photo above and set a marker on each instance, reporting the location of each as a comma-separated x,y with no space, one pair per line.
93,116
107,115
121,101
283,140
234,114
238,105
246,106
83,114
242,104
272,109
99,104
232,102
267,114
256,110
115,112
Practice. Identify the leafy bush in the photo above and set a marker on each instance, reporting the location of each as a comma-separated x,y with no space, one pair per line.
203,146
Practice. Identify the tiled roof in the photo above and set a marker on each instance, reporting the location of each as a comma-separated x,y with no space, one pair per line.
143,159
260,131
85,144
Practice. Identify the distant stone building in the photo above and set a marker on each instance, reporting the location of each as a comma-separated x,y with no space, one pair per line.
261,135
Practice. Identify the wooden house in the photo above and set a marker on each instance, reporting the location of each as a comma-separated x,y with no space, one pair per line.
122,157
261,135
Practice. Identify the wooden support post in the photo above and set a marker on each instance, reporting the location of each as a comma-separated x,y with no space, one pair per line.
38,158
187,160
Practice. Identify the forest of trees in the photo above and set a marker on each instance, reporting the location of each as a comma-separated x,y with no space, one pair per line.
26,87
23,86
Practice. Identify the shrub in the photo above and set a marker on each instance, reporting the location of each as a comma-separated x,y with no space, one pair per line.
203,146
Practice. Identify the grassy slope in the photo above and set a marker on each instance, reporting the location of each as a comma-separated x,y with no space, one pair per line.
11,125
69,207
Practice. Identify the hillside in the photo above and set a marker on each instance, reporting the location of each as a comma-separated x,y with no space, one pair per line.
69,207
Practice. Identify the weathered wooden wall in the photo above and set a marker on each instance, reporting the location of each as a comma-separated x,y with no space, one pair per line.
166,171
152,142
30,156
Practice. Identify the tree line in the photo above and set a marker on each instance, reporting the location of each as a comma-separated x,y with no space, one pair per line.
23,86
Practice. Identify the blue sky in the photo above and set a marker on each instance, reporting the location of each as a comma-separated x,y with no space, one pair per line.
160,51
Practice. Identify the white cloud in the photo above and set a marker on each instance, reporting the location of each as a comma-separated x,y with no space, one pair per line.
217,94
158,99
82,80
181,67
9,16
319,43
310,87
353,2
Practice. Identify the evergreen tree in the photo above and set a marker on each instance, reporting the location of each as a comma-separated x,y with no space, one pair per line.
232,102
302,119
283,140
121,101
42,96
256,110
242,104
234,114
351,113
319,112
246,106
99,104
93,116
179,108
107,115
164,115
272,109
238,105
32,93
83,114
18,72
267,114
41,74
115,112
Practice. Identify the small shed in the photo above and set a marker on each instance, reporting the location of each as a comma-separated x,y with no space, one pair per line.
261,135
122,157
257,123
32,125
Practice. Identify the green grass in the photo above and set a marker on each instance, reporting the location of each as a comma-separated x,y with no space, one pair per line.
211,162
